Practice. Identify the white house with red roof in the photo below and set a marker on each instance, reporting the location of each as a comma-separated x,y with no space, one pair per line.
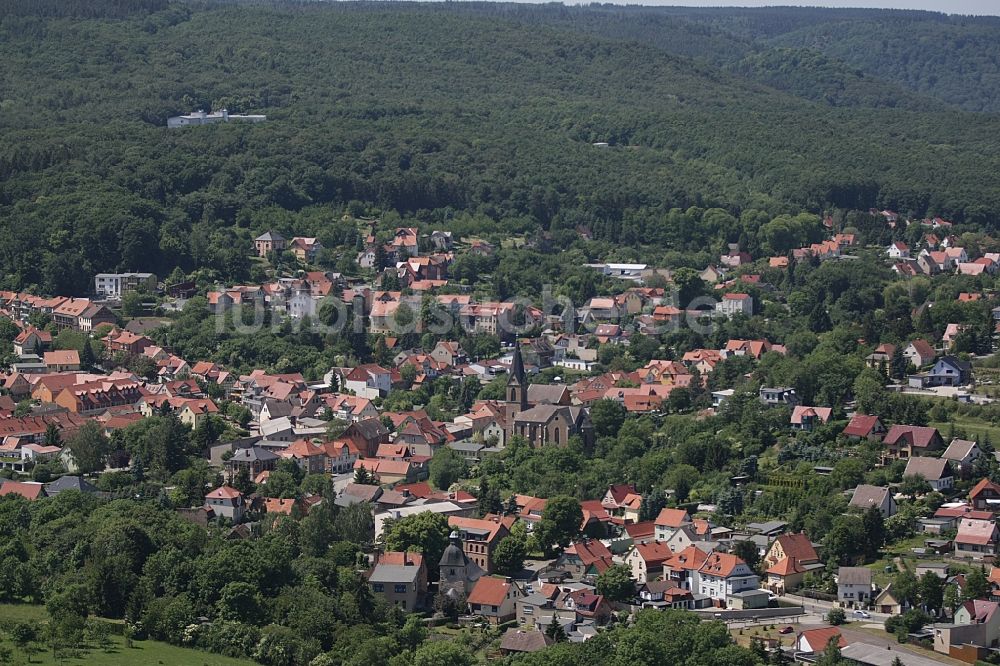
816,640
734,304
898,250
227,502
670,520
369,381
494,599
725,574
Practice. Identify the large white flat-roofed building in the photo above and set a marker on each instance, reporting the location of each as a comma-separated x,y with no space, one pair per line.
206,118
115,285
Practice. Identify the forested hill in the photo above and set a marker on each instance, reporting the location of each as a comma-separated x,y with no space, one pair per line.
428,110
952,59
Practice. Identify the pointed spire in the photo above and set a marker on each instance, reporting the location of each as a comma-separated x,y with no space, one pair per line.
517,366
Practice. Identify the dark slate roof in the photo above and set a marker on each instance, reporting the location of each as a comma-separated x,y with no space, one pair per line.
68,483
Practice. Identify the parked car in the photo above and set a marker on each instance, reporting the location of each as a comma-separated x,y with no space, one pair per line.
865,615
786,630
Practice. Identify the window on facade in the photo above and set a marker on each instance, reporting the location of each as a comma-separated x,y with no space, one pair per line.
528,610
400,588
378,587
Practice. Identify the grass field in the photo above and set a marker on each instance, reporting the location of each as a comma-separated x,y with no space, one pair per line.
140,654
971,426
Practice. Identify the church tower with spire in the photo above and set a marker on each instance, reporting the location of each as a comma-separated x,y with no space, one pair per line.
517,383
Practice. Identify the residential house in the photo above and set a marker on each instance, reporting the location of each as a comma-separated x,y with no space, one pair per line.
519,641
32,340
254,459
808,419
724,574
682,569
734,304
866,496
269,241
854,586
616,494
401,578
898,250
780,395
935,471
366,435
226,501
919,353
29,490
976,539
664,594
305,249
669,520
862,426
63,360
341,456
881,358
907,441
480,537
115,285
816,640
947,371
369,381
985,496
792,545
975,623
494,599
646,560
126,342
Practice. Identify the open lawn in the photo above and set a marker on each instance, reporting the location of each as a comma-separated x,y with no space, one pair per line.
141,652
971,426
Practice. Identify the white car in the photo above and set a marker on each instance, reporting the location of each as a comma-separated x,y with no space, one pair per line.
865,615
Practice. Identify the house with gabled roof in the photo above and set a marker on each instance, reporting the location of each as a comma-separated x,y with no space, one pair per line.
29,490
724,574
907,441
985,496
807,419
866,496
646,560
919,353
976,539
226,501
854,585
862,426
494,599
400,577
795,545
816,640
962,453
935,471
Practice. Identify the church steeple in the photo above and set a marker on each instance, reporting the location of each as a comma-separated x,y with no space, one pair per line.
517,383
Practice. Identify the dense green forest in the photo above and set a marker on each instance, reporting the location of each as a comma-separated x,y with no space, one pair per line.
437,112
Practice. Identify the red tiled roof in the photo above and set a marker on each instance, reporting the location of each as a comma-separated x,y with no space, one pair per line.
861,425
721,564
224,492
819,638
672,518
489,591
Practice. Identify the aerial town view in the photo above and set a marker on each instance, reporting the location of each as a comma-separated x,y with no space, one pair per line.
442,334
